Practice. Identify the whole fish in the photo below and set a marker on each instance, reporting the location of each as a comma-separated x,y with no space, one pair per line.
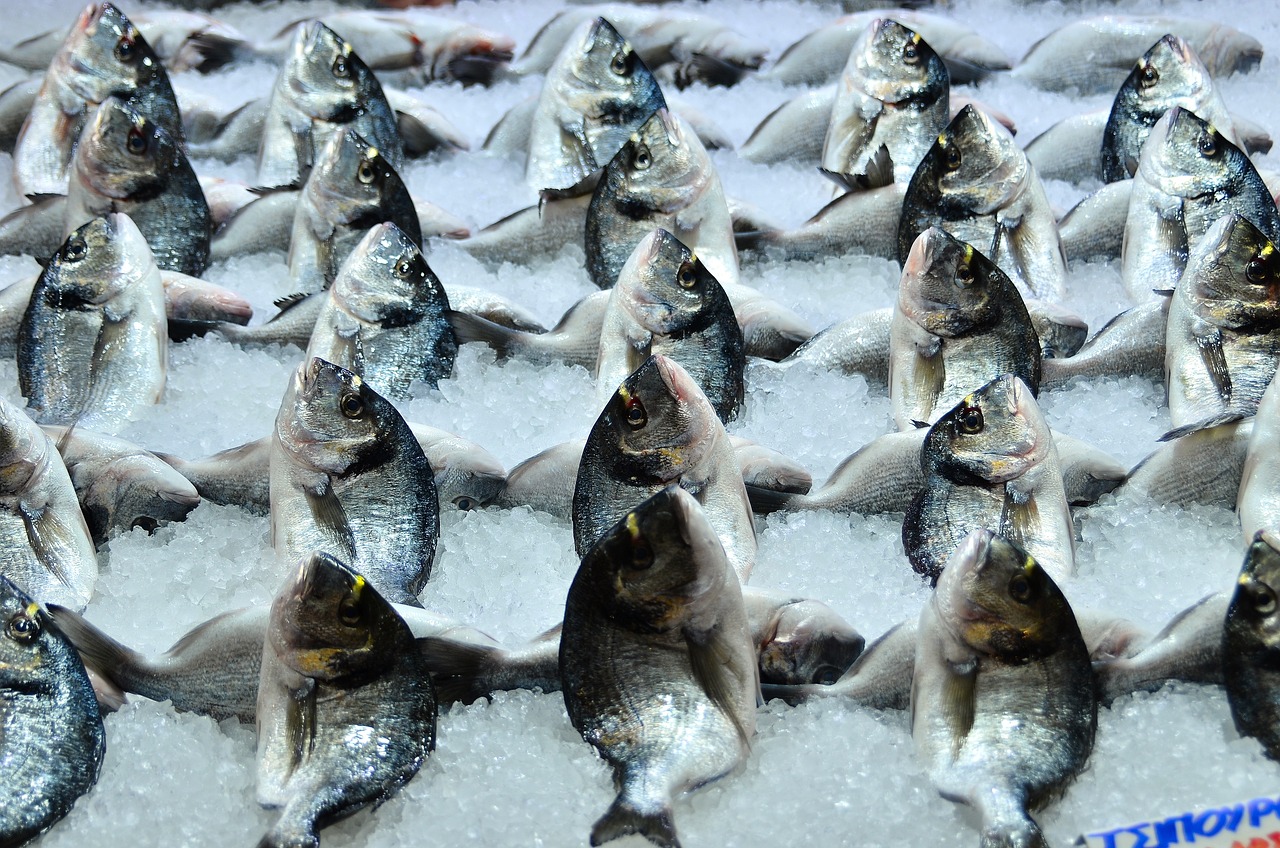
386,316
94,342
126,163
658,429
666,301
958,323
1258,498
658,668
103,55
1003,711
352,187
348,477
977,184
346,711
1249,645
1189,176
323,88
991,462
53,739
891,103
596,94
47,549
662,177
1223,332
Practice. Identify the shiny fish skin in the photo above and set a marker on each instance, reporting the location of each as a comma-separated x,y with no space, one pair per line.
1003,711
346,712
1258,499
93,344
385,318
1249,645
658,669
53,742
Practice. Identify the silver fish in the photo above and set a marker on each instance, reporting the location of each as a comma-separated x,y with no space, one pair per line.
53,738
1199,465
348,477
1003,711
1258,498
1250,643
1130,343
94,342
346,712
658,668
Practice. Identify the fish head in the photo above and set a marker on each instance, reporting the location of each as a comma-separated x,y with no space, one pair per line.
352,179
325,77
1169,74
895,65
1234,276
332,421
975,163
610,81
26,635
477,55
658,170
386,280
1186,156
995,598
948,287
994,435
106,54
122,154
136,491
809,643
1229,50
664,286
1253,605
328,621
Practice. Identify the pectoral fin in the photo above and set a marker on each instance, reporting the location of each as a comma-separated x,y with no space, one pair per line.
712,661
1215,363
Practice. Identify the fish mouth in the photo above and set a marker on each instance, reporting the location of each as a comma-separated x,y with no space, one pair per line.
676,380
964,563
1179,48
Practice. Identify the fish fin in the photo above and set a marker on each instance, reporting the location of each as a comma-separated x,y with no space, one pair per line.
623,819
214,51
1214,358
99,652
958,693
709,70
328,513
1205,424
586,185
710,660
457,669
766,501
473,328
284,304
878,173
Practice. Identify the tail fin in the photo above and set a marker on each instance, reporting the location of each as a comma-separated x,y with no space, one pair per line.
102,655
765,501
622,819
473,328
459,670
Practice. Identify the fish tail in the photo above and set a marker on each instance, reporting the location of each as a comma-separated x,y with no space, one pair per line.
103,656
473,328
460,672
623,819
765,501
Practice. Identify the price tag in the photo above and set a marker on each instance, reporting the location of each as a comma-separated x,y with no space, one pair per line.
1251,824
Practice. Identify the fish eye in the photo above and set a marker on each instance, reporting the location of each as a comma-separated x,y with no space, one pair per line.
1020,588
1208,145
964,275
147,523
465,503
1256,270
341,69
636,415
1264,598
641,160
621,63
826,676
23,629
351,405
125,50
404,267
970,420
136,143
911,53
686,278
641,555
1148,77
953,158
75,250
349,611
366,172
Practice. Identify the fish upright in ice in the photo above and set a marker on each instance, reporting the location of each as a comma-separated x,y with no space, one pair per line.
386,316
892,101
1258,495
103,55
977,184
1169,74
1223,333
93,346
594,97
47,549
662,177
666,301
657,429
658,669
127,163
1189,176
959,322
346,712
323,88
349,478
1251,645
1003,711
991,462
53,740
352,187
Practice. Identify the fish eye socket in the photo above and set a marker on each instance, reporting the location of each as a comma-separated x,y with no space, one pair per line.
686,278
75,250
970,420
635,414
351,405
1256,270
349,611
826,676
1148,77
23,629
404,268
911,53
621,63
125,49
964,275
1020,588
366,172
641,160
1208,145
641,555
465,503
136,143
953,158
341,69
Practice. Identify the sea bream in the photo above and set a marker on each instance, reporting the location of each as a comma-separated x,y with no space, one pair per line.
103,55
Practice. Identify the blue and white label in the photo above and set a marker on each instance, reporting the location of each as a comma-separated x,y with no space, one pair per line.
1251,824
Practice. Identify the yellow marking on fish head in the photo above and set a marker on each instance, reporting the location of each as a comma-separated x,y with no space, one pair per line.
633,526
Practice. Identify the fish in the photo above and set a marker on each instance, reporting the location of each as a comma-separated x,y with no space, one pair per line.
1189,176
1003,712
1201,465
658,429
48,551
1223,331
352,187
349,478
94,342
662,177
977,184
1249,644
53,737
658,668
1094,227
665,301
891,103
1257,500
959,322
1131,343
595,96
346,712
386,316
322,88
103,55
991,462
